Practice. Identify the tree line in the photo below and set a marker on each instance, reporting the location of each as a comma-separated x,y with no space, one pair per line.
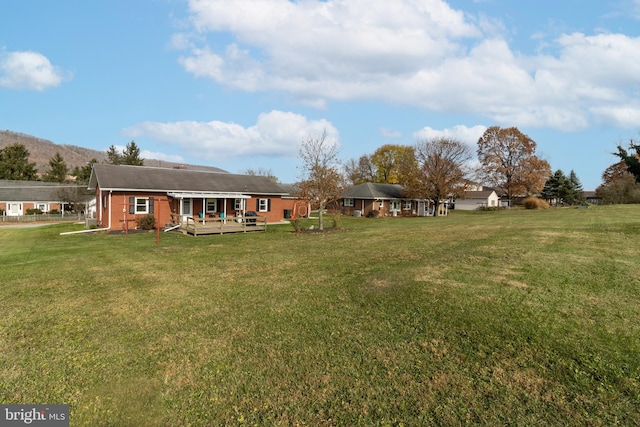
436,169
15,164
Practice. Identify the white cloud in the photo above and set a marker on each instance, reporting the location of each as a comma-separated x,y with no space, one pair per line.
174,158
420,53
28,70
276,133
467,135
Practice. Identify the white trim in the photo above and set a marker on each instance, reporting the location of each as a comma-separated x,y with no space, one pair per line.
206,195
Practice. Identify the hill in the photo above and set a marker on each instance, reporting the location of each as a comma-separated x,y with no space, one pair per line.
43,150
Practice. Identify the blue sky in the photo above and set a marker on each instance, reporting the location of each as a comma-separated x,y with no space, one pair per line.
240,84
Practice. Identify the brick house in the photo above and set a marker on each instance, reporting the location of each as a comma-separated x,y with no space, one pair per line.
124,194
19,197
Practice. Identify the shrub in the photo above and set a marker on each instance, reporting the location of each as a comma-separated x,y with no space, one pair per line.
296,223
373,214
534,203
335,220
34,212
147,222
54,212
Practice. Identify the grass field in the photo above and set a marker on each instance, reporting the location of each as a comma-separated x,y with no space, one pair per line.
504,318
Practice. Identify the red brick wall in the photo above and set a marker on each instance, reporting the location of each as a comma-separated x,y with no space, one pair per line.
121,219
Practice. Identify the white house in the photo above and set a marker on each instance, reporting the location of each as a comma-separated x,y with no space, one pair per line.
476,198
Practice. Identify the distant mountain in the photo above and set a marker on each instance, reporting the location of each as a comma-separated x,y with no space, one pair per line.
43,150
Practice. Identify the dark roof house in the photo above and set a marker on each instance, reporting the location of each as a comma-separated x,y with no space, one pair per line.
124,193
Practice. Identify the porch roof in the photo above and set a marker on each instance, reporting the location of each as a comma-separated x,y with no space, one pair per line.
206,195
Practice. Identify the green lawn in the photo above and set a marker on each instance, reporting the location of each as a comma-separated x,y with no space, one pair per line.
504,318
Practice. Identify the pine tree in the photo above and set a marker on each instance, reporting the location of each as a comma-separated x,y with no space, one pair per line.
577,190
130,155
15,165
58,170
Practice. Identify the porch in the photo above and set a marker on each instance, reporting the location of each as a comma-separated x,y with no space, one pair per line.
219,225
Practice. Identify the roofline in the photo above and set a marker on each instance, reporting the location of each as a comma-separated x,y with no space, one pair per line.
142,190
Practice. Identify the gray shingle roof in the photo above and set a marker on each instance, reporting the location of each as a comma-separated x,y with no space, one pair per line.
32,191
373,191
141,178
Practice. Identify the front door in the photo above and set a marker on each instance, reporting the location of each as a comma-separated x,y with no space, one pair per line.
14,209
186,208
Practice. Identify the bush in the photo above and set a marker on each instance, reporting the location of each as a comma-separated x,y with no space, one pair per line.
54,212
335,220
296,223
147,222
373,214
534,203
34,212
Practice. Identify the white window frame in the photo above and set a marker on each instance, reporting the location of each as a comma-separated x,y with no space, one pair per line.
394,205
208,206
263,205
44,207
142,205
407,205
239,204
349,203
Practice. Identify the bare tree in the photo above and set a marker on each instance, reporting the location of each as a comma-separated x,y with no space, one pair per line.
321,182
440,170
361,171
262,172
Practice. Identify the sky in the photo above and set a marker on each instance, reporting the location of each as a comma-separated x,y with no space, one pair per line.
241,84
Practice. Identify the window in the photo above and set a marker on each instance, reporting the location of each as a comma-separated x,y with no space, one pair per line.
44,207
239,204
406,205
212,205
349,202
394,205
264,205
142,205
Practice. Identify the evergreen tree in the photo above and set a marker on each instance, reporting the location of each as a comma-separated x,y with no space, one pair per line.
58,170
15,165
577,196
130,155
114,156
563,190
83,174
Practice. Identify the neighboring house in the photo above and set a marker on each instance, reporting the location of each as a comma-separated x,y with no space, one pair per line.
126,193
371,198
477,198
591,197
18,197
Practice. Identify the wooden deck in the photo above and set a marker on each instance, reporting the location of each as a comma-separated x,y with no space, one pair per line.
203,226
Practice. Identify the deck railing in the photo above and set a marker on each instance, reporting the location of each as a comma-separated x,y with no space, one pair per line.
239,224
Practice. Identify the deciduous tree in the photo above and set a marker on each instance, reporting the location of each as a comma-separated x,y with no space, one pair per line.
440,171
15,165
262,172
360,171
321,182
390,161
508,161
